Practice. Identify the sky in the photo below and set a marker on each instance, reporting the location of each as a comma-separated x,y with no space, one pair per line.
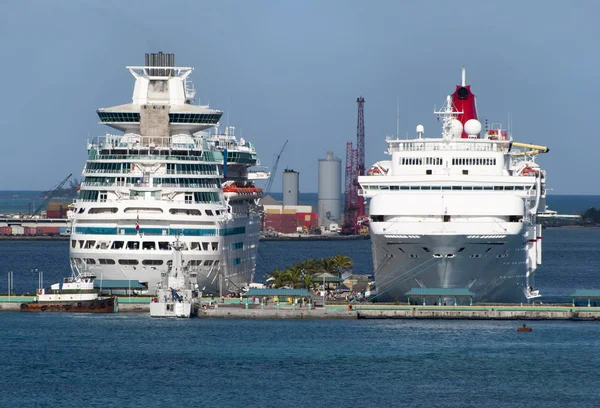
292,70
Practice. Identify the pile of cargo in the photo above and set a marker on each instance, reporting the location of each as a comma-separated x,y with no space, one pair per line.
57,209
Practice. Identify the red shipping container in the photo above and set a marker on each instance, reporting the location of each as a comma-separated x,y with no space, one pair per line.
29,231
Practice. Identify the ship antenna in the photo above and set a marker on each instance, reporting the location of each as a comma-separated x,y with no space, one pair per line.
464,76
397,118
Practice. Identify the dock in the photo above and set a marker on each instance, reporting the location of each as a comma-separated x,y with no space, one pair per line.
234,308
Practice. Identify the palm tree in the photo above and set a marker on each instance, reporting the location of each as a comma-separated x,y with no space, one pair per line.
278,277
328,265
308,281
341,263
293,276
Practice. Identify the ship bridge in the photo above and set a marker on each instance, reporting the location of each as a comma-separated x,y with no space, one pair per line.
161,103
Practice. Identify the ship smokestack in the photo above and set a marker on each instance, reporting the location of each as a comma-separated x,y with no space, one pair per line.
464,101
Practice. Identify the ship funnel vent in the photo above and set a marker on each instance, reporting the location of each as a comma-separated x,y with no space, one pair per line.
158,63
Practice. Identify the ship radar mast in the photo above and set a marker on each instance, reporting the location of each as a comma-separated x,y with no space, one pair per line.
451,126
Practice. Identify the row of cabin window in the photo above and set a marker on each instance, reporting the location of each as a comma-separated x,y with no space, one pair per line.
145,262
198,197
418,161
174,211
457,161
473,161
147,245
489,188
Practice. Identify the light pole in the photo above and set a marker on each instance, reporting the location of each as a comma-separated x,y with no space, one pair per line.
128,283
10,284
40,279
324,292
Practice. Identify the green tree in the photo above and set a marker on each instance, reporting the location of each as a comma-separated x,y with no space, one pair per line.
309,282
341,263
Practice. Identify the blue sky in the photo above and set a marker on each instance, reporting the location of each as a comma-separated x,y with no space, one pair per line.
293,70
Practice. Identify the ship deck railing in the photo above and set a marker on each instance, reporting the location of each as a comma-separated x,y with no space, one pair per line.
153,157
167,173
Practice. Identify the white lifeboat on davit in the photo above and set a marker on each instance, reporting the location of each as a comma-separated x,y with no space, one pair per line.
528,169
378,169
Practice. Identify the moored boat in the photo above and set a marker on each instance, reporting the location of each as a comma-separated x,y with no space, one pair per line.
177,294
75,294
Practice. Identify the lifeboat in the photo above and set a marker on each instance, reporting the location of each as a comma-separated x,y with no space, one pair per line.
528,170
235,192
377,170
497,134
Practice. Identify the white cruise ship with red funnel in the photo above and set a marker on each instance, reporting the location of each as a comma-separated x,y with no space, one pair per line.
457,211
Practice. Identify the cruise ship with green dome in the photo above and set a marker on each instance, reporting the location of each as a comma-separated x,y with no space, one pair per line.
171,174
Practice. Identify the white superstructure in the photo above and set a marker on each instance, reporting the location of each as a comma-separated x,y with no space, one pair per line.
458,211
161,179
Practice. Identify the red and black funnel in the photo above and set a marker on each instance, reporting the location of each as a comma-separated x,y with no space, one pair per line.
464,101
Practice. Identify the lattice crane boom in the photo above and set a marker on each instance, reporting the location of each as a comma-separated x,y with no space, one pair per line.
51,194
274,169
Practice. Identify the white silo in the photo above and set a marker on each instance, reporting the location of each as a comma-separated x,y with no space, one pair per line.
291,188
330,187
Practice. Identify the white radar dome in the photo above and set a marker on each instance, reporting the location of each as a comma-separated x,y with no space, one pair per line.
420,129
473,127
456,128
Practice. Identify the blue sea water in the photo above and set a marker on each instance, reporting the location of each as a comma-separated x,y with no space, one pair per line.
62,360
132,360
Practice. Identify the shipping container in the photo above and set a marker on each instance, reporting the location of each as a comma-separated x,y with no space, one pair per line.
289,211
273,211
47,230
17,230
29,230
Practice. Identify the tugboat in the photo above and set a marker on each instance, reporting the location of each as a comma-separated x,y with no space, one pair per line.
76,294
177,294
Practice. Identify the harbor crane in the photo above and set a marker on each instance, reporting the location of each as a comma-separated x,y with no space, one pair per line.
274,169
50,195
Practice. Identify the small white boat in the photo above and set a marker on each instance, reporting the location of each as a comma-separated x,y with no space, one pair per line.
177,295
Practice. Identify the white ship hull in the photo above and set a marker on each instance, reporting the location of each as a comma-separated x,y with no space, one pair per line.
213,266
494,269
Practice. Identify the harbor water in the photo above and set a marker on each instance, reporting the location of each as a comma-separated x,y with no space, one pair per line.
133,360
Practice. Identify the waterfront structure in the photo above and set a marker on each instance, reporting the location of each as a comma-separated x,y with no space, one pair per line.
291,189
171,175
460,211
177,294
330,187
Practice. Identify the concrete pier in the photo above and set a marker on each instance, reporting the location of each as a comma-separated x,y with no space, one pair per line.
233,308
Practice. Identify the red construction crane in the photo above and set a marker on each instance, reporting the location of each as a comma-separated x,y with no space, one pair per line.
360,147
351,197
354,206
